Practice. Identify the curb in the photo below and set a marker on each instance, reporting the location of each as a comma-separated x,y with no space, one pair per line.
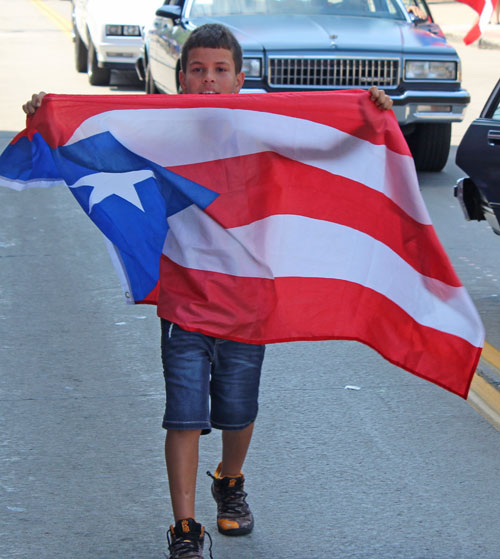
484,394
482,43
486,43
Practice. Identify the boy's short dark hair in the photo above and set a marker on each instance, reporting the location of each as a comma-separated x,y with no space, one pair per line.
213,36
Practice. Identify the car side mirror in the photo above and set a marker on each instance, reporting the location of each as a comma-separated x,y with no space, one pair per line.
170,12
416,19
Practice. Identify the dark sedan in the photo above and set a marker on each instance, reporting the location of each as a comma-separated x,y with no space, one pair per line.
479,156
297,45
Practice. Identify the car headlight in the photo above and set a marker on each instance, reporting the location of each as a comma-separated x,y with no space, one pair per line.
132,30
427,70
127,30
252,67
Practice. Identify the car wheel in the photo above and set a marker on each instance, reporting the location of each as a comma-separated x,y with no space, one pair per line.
80,53
429,144
150,86
96,75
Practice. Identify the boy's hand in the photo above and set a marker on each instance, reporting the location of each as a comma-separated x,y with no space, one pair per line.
32,105
417,12
380,98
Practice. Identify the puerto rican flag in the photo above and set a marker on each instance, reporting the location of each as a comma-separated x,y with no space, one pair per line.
262,218
485,9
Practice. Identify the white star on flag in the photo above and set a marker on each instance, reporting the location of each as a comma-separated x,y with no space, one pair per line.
120,184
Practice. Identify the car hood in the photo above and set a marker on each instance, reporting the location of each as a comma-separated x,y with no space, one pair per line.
118,12
330,33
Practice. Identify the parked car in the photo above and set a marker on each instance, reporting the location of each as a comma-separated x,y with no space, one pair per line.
296,45
108,35
479,156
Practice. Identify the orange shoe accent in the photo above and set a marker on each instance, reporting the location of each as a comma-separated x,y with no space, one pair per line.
218,475
218,471
227,524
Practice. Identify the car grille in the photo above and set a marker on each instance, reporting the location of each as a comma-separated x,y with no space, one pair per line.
333,72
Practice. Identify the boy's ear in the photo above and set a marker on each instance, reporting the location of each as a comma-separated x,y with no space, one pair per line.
182,81
240,78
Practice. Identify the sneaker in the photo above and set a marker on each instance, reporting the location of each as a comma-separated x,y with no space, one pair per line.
234,517
185,540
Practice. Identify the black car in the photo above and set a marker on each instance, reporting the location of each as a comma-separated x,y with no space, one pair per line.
304,45
479,156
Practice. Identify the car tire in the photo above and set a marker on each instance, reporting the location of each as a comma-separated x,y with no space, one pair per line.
81,53
429,144
150,85
96,75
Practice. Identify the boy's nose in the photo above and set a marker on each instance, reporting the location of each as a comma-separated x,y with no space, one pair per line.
210,76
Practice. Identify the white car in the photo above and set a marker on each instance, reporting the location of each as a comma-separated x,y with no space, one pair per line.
108,34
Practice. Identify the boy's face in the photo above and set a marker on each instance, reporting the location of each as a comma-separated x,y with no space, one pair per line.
210,71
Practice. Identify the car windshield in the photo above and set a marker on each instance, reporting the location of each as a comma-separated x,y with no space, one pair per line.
369,8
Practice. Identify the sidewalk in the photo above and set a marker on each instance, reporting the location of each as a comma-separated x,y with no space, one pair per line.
455,19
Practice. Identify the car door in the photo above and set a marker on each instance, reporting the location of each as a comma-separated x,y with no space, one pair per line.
80,17
165,50
479,151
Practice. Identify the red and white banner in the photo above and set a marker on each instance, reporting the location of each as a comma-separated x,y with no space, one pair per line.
485,9
262,218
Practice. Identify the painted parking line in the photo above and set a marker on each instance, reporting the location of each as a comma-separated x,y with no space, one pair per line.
484,395
492,355
61,22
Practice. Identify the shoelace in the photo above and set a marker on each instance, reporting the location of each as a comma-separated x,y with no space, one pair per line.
232,499
234,502
187,545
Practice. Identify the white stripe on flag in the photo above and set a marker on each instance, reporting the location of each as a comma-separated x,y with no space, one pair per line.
172,137
16,184
485,15
298,246
120,270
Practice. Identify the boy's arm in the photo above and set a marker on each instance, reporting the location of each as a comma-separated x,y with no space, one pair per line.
380,98
32,105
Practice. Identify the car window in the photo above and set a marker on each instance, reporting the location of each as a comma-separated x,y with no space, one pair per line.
371,8
496,114
491,110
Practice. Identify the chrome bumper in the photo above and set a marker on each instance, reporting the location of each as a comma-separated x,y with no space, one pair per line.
421,106
427,106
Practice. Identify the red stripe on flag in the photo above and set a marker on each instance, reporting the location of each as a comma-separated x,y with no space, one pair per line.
484,10
473,35
255,310
349,111
256,186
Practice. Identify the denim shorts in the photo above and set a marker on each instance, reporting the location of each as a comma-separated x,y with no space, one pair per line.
210,382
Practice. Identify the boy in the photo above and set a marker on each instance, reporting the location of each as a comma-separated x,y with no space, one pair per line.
198,368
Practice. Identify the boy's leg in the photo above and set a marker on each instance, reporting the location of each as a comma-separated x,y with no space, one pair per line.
234,390
234,517
181,457
234,450
187,358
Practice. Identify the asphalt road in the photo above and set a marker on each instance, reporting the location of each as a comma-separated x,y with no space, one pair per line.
399,468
